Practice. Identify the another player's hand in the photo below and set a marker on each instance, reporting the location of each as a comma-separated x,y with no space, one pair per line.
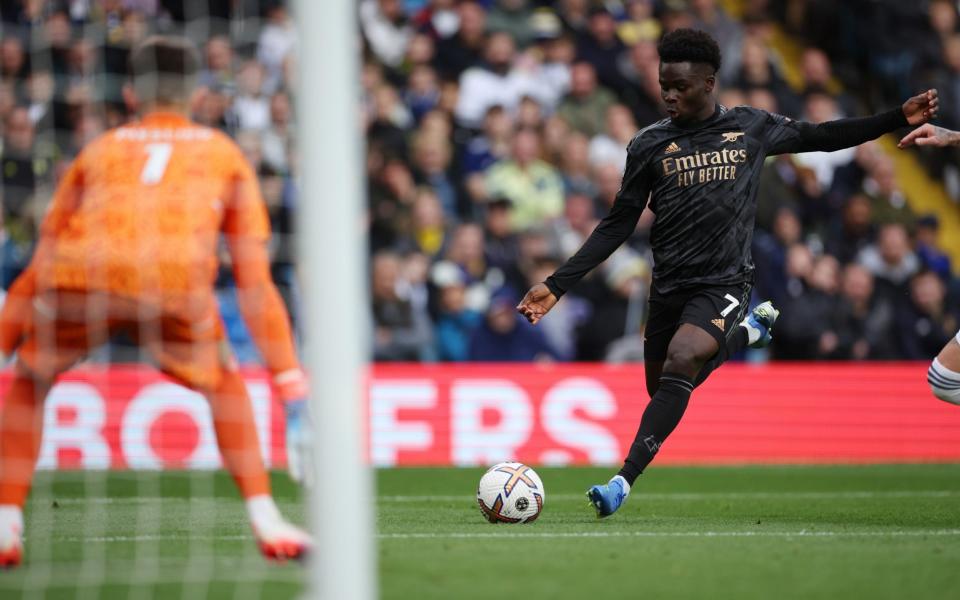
291,387
922,107
538,302
930,135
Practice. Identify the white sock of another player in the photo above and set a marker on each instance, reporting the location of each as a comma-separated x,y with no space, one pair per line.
11,525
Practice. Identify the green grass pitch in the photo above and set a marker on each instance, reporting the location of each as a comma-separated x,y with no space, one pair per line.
733,532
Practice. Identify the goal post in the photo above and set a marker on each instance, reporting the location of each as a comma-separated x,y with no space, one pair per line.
331,245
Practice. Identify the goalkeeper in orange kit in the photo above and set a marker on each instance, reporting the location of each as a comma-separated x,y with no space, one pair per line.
129,245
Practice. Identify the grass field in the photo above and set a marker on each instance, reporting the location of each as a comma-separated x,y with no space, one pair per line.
750,532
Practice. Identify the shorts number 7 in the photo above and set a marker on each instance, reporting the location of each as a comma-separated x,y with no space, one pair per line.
733,304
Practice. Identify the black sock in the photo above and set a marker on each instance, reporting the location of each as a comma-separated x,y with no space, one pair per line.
659,420
735,343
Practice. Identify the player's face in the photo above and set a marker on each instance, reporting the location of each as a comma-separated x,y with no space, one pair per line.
687,90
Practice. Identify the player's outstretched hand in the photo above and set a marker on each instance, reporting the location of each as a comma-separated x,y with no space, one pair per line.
922,107
291,387
538,302
299,441
931,135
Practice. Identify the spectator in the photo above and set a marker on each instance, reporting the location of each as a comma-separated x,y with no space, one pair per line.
275,47
770,255
251,105
640,26
26,167
585,107
863,322
432,156
466,252
423,91
492,144
618,306
402,332
926,322
888,203
534,186
930,255
455,323
642,92
219,67
853,231
513,17
494,82
505,336
385,30
891,260
601,48
501,244
464,49
804,329
428,228
278,137
610,147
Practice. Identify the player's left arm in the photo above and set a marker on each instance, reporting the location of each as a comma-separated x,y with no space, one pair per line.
785,136
247,231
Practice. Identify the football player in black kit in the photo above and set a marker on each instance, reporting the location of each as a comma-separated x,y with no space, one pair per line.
698,171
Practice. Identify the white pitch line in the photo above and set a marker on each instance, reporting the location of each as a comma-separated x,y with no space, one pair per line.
672,534
640,495
551,535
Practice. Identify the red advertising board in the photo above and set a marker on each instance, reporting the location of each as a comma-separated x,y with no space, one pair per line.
131,417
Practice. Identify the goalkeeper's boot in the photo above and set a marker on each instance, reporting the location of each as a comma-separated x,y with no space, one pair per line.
11,536
606,499
277,539
761,320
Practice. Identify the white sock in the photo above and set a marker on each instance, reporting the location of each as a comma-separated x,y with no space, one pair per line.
261,509
623,483
11,526
753,334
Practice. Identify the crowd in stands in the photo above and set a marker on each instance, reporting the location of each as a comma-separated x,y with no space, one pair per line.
496,140
496,134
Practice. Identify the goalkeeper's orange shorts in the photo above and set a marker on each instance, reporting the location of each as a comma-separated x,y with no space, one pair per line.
67,325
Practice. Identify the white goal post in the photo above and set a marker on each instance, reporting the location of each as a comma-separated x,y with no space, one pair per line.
331,245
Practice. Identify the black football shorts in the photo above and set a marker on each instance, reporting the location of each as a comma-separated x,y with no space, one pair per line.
717,309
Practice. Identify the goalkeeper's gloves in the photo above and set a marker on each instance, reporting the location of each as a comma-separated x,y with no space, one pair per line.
291,387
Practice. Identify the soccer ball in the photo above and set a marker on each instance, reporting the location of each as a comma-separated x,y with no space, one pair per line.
510,492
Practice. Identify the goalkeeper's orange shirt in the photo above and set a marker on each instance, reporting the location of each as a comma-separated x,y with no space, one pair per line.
139,214
140,211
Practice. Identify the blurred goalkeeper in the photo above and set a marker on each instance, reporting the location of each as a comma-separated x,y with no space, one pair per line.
129,245
944,372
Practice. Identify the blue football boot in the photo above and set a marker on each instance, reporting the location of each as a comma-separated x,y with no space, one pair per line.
762,318
606,499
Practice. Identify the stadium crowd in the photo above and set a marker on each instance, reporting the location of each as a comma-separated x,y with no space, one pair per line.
496,135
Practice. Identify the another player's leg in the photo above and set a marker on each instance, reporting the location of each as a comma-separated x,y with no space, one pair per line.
239,445
21,427
944,372
690,348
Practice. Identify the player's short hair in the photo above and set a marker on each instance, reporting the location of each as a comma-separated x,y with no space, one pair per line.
689,45
164,69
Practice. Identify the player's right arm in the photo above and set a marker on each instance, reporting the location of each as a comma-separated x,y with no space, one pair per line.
609,235
18,305
931,135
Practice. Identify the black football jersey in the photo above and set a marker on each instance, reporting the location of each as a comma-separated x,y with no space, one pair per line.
702,183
